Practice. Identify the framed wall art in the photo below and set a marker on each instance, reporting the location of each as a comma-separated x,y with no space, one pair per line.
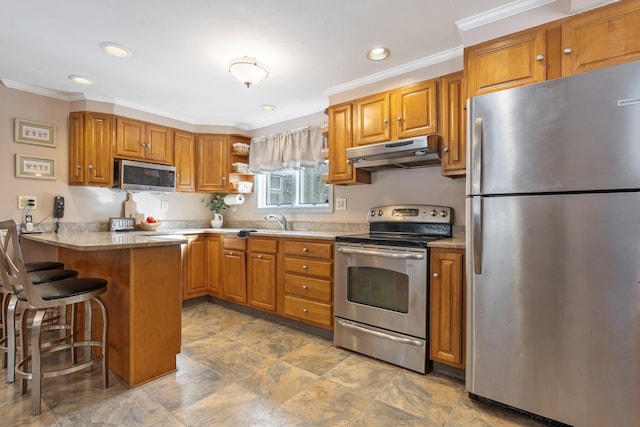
29,132
35,167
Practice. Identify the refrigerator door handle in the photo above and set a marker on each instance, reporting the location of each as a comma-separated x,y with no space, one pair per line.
476,218
476,157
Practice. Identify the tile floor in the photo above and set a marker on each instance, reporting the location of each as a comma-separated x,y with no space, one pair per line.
238,370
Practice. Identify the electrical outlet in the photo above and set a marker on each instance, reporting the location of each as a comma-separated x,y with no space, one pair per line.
341,203
164,205
27,201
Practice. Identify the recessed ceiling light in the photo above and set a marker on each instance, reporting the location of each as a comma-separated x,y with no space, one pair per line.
115,49
81,80
378,53
268,107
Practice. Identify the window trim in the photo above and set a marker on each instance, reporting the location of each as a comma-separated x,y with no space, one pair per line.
260,189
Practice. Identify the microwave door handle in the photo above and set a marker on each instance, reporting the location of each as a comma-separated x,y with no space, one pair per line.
380,254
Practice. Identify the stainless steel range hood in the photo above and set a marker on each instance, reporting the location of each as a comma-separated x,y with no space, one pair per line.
401,154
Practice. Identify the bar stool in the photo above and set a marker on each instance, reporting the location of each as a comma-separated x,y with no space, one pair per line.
39,272
39,299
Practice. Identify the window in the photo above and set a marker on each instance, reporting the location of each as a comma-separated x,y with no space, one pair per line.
294,190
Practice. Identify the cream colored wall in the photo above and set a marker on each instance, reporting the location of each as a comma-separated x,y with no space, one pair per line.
83,204
88,204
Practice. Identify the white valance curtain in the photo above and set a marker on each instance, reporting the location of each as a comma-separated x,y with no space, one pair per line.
295,149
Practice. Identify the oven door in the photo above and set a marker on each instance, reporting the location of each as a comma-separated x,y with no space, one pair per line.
383,286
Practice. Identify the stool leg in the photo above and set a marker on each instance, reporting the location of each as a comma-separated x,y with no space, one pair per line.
88,318
11,339
24,344
72,334
36,370
105,344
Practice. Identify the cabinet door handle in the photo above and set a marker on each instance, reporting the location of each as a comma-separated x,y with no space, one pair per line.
90,167
78,167
435,275
445,149
385,121
540,57
567,50
399,119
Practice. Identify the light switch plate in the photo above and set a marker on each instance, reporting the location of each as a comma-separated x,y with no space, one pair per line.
341,203
164,205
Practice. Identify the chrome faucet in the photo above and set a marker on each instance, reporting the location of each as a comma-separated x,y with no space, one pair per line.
281,220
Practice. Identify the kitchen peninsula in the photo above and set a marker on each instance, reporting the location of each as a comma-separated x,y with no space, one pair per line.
143,296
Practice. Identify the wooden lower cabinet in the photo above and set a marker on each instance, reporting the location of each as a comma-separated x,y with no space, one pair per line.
214,266
447,307
194,267
234,276
262,274
307,281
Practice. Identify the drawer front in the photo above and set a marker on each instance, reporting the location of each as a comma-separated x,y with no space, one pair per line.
267,246
308,311
306,249
237,243
308,287
306,266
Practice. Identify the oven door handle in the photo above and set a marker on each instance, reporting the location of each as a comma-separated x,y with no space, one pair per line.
381,254
393,338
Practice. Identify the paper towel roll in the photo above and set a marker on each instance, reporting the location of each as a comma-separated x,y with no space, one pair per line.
234,199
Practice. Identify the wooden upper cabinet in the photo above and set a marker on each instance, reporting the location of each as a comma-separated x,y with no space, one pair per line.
402,113
511,61
90,142
143,141
601,38
211,163
452,102
414,110
372,119
160,144
341,138
185,158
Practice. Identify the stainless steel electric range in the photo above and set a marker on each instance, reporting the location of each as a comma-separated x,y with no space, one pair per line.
382,284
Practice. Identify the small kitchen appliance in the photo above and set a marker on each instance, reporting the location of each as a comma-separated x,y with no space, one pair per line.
382,286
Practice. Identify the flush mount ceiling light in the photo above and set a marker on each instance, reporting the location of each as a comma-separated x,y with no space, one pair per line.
115,49
378,53
268,107
248,70
81,80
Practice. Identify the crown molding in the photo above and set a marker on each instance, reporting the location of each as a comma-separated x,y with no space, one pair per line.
437,58
63,96
499,13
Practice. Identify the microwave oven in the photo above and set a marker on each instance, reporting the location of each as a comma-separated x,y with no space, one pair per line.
143,176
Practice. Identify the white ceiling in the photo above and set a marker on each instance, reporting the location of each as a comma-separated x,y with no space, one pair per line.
181,49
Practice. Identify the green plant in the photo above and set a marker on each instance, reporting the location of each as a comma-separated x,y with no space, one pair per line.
216,203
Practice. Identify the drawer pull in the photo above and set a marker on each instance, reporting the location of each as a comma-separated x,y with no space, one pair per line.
305,287
305,249
304,267
259,256
304,310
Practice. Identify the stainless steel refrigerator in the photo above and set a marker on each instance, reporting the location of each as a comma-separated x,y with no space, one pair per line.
553,248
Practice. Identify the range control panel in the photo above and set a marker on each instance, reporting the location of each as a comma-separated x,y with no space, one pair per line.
411,213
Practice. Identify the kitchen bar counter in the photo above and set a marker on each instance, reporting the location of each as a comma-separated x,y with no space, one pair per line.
143,295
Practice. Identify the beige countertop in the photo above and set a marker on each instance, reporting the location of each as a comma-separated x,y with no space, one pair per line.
105,240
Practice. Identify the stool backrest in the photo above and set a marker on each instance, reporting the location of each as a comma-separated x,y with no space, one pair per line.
13,273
